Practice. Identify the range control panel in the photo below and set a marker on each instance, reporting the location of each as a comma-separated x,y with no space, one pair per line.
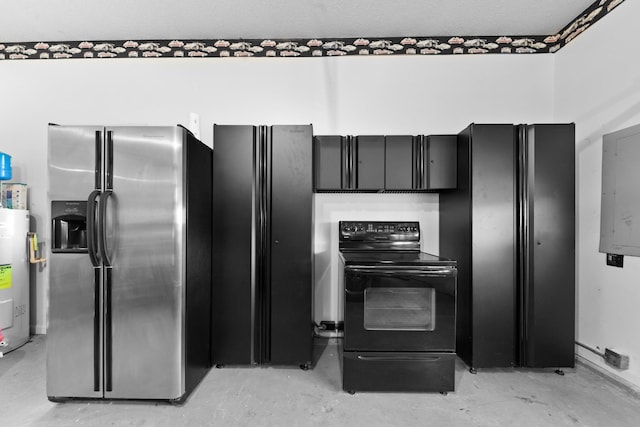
379,231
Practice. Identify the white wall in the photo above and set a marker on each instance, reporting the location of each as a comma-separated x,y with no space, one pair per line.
597,79
355,95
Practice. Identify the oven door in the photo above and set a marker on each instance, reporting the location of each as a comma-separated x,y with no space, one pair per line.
399,308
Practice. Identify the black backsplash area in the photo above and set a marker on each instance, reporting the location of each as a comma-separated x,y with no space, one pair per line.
223,48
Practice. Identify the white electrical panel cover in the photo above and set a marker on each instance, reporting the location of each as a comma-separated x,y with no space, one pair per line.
620,203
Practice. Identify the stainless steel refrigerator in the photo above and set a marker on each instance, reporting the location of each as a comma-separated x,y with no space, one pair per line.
130,269
510,224
262,249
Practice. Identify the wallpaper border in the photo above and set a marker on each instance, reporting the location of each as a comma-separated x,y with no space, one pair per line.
223,48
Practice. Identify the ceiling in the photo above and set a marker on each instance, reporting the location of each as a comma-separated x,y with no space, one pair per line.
61,20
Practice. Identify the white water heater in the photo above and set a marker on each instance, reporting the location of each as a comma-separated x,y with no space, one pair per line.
14,278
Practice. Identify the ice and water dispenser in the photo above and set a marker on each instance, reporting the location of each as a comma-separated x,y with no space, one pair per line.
69,220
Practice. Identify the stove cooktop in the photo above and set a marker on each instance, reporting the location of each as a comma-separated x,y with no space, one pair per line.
394,258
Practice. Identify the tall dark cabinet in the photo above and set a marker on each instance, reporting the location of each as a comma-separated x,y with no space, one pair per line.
547,246
510,226
262,245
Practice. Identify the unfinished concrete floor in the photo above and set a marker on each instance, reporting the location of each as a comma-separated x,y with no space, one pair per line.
244,396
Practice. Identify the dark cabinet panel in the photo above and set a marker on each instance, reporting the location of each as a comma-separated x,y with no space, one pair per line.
328,162
369,162
510,226
477,229
262,252
290,246
399,174
441,165
435,163
232,252
549,247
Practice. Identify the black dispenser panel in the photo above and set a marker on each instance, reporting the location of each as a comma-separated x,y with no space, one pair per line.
69,226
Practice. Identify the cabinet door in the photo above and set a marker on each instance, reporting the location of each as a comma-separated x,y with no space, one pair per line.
370,162
399,162
441,160
290,293
549,286
328,160
231,265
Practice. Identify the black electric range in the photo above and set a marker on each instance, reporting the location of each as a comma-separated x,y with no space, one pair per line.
399,310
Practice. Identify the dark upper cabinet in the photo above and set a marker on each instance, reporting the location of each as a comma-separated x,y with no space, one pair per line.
435,162
441,155
399,158
329,162
369,162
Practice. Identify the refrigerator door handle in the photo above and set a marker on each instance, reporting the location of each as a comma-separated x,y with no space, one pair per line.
102,235
97,351
92,235
108,334
98,161
109,161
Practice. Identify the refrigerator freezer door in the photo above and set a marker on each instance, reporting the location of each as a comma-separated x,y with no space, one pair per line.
144,229
74,342
74,161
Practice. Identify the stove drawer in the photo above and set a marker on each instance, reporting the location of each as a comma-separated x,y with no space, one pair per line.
399,372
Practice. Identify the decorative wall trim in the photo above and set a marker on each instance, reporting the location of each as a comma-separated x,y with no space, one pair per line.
221,48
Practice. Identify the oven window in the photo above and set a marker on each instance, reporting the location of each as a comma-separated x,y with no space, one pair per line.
399,309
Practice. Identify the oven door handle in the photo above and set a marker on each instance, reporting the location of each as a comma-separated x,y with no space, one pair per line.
395,271
404,358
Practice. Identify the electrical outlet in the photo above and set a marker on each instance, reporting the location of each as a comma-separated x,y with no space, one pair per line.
616,359
331,326
194,124
615,260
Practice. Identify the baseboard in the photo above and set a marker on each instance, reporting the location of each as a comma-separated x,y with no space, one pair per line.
610,376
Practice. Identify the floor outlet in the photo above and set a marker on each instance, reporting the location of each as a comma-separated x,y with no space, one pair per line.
616,359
